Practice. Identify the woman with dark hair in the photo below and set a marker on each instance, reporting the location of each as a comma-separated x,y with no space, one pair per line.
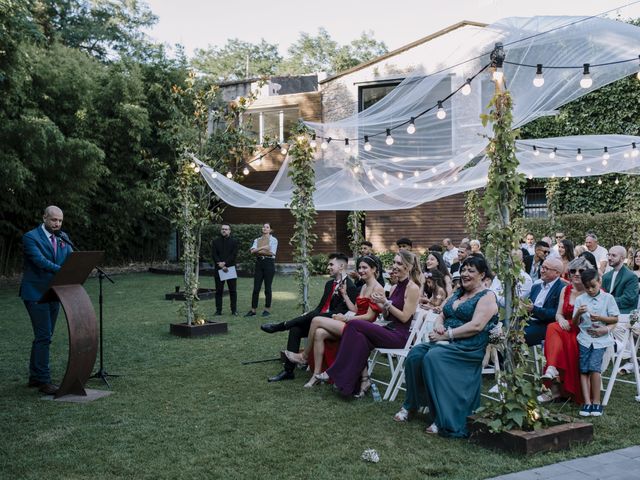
324,328
434,291
435,261
349,371
635,261
264,248
445,373
565,251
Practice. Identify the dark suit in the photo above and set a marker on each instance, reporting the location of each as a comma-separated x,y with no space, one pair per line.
625,291
536,330
299,327
40,266
225,249
528,264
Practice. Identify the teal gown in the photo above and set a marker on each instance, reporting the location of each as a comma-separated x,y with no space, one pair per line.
447,377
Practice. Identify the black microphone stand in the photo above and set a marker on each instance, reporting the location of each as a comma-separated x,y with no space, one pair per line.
102,372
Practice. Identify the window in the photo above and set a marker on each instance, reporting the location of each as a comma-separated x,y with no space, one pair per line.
535,202
272,124
371,94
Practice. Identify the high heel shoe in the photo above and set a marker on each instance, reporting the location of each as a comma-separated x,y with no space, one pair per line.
365,385
313,381
296,358
322,377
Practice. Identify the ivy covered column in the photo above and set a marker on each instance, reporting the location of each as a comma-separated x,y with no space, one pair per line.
354,225
302,208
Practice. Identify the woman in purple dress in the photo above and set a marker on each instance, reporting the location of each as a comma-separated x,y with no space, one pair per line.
349,371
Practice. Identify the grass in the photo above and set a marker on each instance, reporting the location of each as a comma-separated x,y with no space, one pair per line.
189,408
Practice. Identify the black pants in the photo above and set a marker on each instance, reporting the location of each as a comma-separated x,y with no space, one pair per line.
233,293
265,270
299,329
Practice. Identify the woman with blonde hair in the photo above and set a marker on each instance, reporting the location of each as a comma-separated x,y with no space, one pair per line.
349,371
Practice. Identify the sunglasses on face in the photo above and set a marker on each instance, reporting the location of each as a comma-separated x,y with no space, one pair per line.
573,271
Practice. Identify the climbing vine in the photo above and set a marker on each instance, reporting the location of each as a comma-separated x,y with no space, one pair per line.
302,208
354,225
472,205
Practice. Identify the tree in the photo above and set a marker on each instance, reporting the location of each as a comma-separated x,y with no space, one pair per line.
238,60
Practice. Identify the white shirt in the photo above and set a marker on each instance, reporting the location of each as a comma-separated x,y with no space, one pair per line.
544,291
602,304
522,288
273,245
613,280
554,252
600,253
47,233
530,248
450,256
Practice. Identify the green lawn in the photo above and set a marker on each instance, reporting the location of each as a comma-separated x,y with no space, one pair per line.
190,409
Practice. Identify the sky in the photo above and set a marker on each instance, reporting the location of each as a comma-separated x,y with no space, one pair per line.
200,23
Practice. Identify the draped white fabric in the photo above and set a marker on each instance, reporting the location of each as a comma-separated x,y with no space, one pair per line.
445,156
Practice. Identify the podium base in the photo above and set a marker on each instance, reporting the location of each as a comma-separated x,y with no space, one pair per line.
89,397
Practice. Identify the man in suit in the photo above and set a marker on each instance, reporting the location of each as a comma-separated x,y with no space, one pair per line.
533,263
544,297
225,251
330,303
620,281
44,253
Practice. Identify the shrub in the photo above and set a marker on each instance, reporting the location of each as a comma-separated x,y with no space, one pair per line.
319,264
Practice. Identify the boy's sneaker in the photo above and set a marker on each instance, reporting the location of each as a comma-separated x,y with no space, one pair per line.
596,410
585,410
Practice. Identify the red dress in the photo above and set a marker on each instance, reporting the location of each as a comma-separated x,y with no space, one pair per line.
561,351
331,346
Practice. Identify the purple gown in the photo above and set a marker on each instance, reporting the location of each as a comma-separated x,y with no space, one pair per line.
360,337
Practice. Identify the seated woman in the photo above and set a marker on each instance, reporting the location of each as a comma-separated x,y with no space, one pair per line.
562,376
349,372
435,261
446,373
434,293
323,328
565,251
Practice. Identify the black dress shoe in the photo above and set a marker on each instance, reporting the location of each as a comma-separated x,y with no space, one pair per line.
218,314
34,383
250,314
283,375
272,327
48,389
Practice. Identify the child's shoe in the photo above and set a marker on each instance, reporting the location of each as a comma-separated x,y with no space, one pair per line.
597,410
585,410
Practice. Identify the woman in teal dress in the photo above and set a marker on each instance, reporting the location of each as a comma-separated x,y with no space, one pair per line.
445,374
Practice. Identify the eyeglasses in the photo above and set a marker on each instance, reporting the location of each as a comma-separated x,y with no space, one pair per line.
542,267
559,237
573,271
546,252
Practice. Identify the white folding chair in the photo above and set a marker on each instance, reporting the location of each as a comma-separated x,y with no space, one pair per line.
393,358
625,347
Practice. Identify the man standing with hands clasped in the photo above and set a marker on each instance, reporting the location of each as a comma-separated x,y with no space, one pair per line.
45,250
225,251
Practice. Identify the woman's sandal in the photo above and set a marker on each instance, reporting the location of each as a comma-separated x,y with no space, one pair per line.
433,429
296,358
313,381
365,385
322,377
402,415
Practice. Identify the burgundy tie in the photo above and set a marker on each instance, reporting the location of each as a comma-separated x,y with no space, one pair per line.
55,245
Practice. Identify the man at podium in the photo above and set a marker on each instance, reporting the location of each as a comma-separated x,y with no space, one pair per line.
45,250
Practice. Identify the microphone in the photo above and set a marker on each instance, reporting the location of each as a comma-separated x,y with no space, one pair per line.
63,236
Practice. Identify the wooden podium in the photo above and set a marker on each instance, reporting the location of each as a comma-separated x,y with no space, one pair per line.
66,287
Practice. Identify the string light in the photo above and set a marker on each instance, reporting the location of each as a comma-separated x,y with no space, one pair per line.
552,153
389,140
325,143
531,176
214,175
617,181
451,164
245,171
193,165
588,169
538,80
586,81
197,169
466,88
384,174
441,114
411,129
347,147
400,175
434,170
582,180
599,181
313,143
579,155
634,151
605,156
283,150
415,173
229,175
535,151
367,145
471,156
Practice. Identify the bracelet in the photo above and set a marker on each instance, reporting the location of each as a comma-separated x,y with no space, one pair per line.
450,334
387,305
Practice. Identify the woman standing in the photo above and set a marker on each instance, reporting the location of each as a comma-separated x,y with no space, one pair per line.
264,249
562,377
349,372
445,374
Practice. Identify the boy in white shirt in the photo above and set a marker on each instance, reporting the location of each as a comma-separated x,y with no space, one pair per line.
596,313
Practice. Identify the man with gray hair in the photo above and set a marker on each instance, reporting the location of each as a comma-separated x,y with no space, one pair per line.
450,255
544,297
620,281
598,251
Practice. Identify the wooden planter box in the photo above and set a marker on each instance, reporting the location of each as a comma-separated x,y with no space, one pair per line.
554,438
203,294
190,331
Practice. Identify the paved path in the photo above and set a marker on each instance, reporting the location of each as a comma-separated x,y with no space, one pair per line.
621,464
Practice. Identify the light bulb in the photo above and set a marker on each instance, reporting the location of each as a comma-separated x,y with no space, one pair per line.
588,169
356,169
535,151
552,153
579,155
441,114
586,81
415,173
470,156
451,164
400,175
196,169
214,175
466,89
389,140
634,150
384,174
283,150
386,181
430,184
553,175
229,175
433,170
638,75
538,80
531,176
313,143
599,181
455,178
567,175
245,171
582,180
411,129
192,164
347,147
605,155
367,145
617,181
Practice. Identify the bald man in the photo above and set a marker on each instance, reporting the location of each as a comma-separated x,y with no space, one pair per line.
620,281
544,296
44,253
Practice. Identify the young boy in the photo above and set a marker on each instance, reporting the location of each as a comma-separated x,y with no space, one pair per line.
594,311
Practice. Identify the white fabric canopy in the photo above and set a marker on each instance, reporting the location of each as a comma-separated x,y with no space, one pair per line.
444,157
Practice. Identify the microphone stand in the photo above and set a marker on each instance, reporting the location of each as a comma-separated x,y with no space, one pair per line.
102,372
